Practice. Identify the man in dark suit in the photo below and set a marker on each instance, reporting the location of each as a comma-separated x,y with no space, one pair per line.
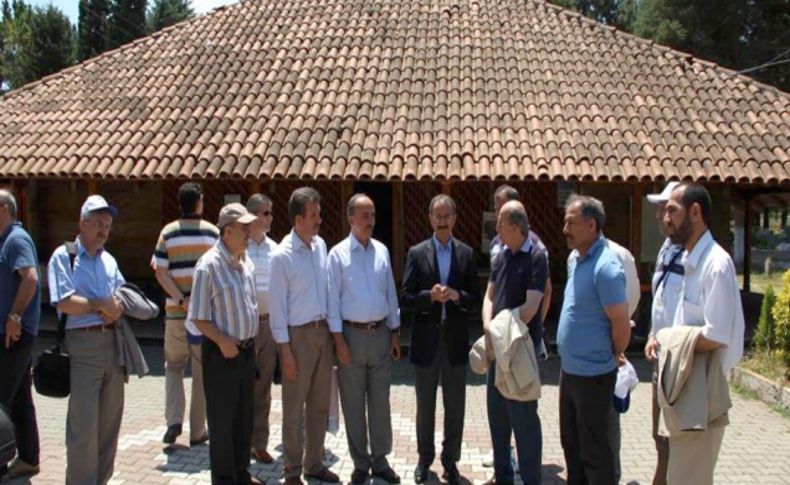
441,290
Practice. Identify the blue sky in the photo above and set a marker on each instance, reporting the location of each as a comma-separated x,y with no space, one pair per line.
69,7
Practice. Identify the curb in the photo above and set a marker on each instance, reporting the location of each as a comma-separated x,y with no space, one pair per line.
767,390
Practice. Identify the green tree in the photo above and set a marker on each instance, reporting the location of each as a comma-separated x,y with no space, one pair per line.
764,335
93,29
126,21
781,314
164,13
37,42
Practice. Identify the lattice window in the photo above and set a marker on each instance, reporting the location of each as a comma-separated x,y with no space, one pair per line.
416,197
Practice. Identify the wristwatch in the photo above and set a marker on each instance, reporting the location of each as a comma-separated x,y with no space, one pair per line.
15,317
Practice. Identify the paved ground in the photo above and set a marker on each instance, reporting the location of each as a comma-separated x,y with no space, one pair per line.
756,446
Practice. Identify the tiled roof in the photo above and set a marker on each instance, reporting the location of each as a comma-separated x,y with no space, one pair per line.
396,89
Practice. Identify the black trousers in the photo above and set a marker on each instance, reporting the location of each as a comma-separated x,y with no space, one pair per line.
453,380
228,384
16,395
585,412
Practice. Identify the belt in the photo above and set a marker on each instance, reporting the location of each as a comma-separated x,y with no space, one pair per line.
103,327
246,344
313,324
363,325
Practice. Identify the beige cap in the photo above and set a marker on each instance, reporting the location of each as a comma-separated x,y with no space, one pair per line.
664,195
234,212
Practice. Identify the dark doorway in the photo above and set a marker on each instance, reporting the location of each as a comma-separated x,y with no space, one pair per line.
381,193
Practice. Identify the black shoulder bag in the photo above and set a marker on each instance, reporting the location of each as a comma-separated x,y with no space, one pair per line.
51,371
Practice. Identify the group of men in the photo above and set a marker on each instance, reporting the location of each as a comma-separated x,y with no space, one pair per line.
236,301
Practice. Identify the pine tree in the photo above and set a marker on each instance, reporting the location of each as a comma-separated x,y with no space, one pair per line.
164,13
93,28
126,21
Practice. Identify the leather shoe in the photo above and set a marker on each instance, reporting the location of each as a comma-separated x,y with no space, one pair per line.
451,474
388,475
325,475
262,456
199,441
293,481
421,473
173,432
358,476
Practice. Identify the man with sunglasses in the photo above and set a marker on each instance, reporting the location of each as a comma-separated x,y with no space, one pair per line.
259,249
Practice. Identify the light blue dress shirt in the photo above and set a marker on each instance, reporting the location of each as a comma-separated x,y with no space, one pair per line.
93,277
298,285
444,255
361,285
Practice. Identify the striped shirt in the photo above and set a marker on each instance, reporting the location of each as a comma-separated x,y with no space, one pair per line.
223,293
181,243
261,256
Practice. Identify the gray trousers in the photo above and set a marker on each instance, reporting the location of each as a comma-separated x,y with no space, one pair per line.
453,381
95,407
266,361
366,381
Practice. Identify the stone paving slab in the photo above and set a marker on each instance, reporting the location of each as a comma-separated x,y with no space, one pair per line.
756,445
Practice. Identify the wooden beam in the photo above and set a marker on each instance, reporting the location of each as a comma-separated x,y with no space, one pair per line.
636,224
398,253
93,186
747,245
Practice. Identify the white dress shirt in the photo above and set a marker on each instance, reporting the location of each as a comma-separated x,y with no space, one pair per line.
666,289
298,285
711,299
261,257
632,290
361,284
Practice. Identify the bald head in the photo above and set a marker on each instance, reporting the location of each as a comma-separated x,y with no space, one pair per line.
8,201
514,213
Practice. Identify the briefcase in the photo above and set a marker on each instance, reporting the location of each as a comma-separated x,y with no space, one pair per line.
51,373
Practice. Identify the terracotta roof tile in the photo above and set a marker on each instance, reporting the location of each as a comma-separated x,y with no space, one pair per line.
396,90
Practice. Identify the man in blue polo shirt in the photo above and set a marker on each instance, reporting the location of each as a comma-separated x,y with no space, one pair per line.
518,277
593,334
20,309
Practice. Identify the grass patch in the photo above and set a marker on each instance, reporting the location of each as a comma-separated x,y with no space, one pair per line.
749,394
760,281
767,365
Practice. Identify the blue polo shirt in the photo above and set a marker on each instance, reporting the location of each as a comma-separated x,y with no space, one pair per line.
584,336
17,251
93,277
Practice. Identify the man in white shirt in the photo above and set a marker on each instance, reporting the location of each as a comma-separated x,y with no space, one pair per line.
666,287
710,298
298,318
364,301
259,249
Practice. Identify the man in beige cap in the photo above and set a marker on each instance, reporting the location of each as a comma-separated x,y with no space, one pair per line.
224,308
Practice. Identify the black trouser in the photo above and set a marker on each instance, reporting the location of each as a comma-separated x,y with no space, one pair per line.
228,384
453,379
16,395
585,412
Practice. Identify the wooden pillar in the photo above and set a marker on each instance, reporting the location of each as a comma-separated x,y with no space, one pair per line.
346,191
636,224
398,253
255,187
93,186
747,245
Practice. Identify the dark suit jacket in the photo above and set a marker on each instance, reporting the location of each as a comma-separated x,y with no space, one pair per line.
420,275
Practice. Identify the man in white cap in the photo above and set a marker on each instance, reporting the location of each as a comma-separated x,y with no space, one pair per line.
224,307
667,284
82,280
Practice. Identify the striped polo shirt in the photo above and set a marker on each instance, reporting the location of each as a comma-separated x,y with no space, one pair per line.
223,293
180,246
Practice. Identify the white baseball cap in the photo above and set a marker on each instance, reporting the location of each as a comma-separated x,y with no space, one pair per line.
96,203
664,195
